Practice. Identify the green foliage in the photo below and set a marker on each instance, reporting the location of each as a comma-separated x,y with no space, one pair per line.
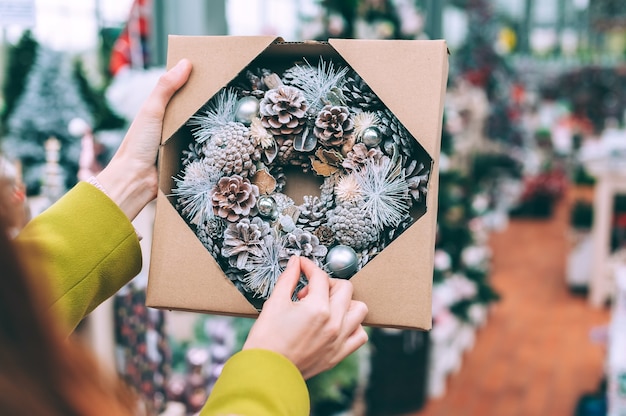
103,117
581,215
335,388
486,166
20,59
108,37
580,176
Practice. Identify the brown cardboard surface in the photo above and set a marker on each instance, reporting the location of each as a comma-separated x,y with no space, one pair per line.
408,76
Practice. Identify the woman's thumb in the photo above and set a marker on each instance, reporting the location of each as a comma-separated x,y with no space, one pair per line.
287,281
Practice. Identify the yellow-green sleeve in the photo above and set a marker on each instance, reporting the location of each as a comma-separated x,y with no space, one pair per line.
84,247
258,383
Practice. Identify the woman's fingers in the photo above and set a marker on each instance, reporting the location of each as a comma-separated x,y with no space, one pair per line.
168,84
318,281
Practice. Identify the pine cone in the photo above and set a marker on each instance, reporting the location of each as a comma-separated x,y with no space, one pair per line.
327,190
283,110
191,153
287,155
305,244
358,155
391,234
312,213
252,82
417,178
210,234
359,96
352,227
243,238
325,235
278,173
289,78
366,255
234,197
333,125
395,133
232,151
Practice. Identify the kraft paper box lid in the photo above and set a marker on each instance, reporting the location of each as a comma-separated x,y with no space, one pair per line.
409,77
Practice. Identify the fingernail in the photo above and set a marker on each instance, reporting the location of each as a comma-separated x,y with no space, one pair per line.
180,65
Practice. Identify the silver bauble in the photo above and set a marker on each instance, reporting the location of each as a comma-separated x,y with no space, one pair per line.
267,207
371,136
342,262
247,108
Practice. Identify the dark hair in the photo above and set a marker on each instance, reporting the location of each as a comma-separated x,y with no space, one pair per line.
41,372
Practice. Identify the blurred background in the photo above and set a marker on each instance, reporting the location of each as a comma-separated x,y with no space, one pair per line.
529,296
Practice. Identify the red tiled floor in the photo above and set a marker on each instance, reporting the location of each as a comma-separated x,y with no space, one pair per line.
534,357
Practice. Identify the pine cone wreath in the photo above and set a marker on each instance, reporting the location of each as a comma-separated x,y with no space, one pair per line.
283,110
333,125
232,151
352,227
358,95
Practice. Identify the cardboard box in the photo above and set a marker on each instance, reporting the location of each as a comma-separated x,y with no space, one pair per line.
410,79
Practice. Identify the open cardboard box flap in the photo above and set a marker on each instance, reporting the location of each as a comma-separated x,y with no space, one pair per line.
410,79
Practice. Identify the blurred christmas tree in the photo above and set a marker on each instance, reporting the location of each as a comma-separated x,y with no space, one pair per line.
478,62
371,19
50,100
20,58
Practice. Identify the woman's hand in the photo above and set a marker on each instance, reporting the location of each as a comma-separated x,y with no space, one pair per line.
316,332
130,179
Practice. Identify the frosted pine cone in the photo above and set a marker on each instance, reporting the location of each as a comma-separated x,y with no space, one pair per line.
287,155
358,94
234,197
394,132
417,179
366,255
210,234
243,238
333,125
305,244
352,227
327,190
391,234
232,151
312,213
358,155
295,76
191,153
283,110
